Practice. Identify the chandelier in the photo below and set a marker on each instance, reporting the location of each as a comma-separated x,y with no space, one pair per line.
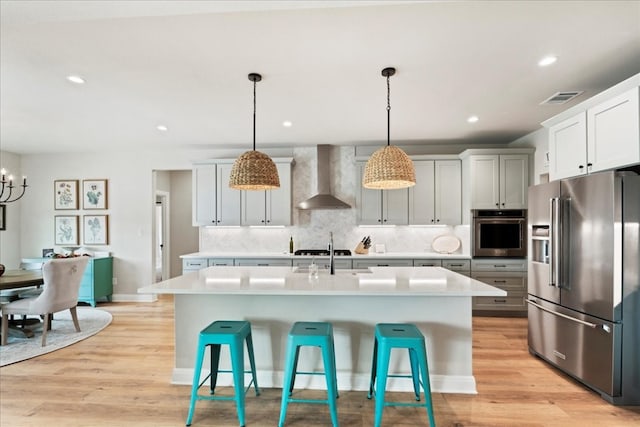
254,170
7,186
389,167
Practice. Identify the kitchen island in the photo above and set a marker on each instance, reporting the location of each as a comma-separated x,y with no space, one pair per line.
437,300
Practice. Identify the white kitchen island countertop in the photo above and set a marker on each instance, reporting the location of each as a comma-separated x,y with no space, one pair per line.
387,281
436,300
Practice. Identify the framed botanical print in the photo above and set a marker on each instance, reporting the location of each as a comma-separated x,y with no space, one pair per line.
66,229
66,194
96,229
94,194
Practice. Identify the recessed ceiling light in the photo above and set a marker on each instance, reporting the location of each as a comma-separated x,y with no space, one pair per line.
162,128
287,124
473,119
75,79
547,60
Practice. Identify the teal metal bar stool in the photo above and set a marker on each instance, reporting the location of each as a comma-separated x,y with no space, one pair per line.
317,334
233,333
399,335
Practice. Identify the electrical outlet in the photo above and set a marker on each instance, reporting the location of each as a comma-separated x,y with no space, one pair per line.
114,281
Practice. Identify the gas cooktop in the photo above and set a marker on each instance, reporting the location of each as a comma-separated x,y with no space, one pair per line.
322,252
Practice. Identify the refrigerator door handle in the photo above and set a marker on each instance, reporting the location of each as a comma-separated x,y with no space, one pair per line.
573,319
554,242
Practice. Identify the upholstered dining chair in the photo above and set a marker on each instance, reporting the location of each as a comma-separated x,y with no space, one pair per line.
62,279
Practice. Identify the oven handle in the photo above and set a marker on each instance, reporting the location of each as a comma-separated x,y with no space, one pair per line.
564,316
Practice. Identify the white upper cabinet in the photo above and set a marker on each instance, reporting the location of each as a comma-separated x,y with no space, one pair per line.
499,181
437,196
604,135
514,181
204,195
381,207
568,147
227,199
214,203
272,207
613,132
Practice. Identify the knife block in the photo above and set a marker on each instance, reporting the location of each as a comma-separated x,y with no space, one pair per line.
360,249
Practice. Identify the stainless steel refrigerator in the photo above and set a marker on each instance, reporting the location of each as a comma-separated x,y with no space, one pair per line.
584,280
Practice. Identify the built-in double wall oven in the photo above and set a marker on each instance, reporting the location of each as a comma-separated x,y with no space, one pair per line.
499,233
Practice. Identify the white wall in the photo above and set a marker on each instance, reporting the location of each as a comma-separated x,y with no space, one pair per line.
10,238
131,201
540,141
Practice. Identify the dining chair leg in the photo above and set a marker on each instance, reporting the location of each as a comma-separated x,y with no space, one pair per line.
74,316
5,328
45,328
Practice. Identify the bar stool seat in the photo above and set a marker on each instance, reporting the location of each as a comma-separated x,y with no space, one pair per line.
399,335
234,334
317,334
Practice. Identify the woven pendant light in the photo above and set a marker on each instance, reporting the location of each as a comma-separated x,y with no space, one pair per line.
389,167
254,170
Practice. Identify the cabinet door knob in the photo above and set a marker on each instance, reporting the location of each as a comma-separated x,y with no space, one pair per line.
438,220
379,220
498,204
589,165
431,219
502,204
580,167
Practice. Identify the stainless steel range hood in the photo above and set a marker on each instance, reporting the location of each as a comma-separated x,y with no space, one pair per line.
324,199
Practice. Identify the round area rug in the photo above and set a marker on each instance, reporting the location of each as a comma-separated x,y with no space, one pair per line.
62,334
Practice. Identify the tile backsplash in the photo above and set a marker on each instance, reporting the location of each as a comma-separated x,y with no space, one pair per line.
310,229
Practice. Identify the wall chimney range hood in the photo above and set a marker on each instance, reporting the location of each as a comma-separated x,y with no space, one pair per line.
324,199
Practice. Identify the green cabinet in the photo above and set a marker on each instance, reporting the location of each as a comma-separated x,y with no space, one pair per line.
97,281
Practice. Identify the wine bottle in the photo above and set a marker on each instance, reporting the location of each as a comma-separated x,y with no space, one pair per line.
291,245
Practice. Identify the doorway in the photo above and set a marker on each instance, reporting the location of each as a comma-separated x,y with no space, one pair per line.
162,248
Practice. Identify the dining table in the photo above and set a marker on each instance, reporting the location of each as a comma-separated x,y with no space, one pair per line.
18,279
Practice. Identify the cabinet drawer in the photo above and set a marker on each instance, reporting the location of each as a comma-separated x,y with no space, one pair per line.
342,264
499,265
505,281
220,262
427,263
194,263
362,263
459,265
510,302
266,262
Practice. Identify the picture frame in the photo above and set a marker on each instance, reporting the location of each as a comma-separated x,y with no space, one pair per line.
94,194
66,229
95,229
65,192
3,217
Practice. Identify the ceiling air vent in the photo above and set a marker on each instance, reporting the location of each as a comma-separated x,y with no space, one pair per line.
561,97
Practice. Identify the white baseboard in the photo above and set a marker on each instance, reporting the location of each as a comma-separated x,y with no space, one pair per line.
346,381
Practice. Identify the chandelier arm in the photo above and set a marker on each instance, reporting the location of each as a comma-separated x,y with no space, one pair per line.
24,189
2,192
6,200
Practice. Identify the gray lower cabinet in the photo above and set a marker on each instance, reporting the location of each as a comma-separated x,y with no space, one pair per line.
194,264
427,263
263,262
366,263
461,266
323,263
507,274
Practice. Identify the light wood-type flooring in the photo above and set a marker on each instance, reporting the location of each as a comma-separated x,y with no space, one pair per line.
121,377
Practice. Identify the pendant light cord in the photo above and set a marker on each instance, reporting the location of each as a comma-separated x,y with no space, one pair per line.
388,113
254,115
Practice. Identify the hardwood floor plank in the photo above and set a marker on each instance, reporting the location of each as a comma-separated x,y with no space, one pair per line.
122,377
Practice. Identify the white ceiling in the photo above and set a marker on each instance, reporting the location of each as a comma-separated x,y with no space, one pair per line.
184,64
